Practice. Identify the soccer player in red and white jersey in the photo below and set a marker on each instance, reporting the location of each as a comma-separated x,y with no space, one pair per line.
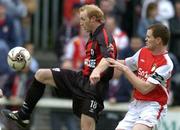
149,71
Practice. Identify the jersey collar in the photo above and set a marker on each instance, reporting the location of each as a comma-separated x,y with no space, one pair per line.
98,29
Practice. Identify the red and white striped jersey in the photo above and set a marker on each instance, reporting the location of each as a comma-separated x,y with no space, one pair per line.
156,69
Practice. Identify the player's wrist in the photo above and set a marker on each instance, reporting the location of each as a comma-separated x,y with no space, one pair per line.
125,68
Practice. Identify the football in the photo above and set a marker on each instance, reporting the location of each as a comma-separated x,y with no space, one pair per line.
18,58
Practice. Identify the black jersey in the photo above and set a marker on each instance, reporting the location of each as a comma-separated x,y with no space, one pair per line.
100,44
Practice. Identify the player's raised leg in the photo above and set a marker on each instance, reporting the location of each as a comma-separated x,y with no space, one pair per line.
42,77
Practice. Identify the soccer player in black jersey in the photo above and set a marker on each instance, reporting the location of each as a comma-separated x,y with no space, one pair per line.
87,94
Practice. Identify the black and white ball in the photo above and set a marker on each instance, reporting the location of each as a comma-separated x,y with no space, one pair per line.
18,58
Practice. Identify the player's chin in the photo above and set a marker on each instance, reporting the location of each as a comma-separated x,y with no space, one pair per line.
148,46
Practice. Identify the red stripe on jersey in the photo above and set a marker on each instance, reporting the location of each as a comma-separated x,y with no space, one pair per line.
159,113
105,36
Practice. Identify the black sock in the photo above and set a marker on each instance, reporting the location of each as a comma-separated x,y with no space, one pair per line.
34,93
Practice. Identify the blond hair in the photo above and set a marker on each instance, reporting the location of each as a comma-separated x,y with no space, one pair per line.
93,10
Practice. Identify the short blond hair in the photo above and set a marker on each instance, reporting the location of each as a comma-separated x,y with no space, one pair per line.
93,10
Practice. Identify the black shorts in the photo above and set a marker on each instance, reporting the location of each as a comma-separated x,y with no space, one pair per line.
76,86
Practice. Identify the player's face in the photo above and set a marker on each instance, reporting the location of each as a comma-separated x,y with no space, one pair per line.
150,40
85,21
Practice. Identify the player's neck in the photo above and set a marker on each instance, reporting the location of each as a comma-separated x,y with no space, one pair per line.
95,27
159,51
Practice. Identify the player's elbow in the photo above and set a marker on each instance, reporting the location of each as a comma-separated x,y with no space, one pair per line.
144,92
147,88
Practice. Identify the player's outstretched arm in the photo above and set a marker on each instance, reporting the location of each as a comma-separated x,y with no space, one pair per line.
117,72
143,86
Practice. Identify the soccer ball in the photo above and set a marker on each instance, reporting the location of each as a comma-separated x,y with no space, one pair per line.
18,58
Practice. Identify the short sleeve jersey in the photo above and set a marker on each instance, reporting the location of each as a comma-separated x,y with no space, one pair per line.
100,44
155,69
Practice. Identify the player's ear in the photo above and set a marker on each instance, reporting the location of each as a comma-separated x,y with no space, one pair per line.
159,40
93,19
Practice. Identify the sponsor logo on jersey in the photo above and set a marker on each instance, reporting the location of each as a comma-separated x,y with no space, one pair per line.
92,52
90,63
143,74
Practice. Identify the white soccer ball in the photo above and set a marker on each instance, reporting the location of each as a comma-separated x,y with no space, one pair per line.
18,58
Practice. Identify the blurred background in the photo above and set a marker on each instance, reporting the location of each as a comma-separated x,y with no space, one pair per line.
49,29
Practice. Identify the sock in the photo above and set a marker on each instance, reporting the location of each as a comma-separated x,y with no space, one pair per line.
34,93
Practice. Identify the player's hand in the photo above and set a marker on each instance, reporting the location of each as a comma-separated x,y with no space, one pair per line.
1,93
94,77
114,63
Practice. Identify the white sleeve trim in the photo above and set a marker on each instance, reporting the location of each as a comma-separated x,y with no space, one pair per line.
132,62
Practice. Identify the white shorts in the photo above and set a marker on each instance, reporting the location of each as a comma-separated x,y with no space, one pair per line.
148,113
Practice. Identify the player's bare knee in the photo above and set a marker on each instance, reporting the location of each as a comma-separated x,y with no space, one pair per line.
87,123
41,75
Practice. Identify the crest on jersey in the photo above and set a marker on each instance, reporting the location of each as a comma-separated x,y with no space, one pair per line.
110,48
154,66
92,52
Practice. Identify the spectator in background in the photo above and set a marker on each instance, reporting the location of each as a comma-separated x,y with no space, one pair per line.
164,7
17,10
7,28
119,36
34,65
67,30
174,25
4,67
68,7
131,16
31,6
175,82
115,7
145,22
135,44
18,84
75,51
107,6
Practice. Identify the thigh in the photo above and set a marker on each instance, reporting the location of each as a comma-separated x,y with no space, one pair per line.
151,113
66,81
130,118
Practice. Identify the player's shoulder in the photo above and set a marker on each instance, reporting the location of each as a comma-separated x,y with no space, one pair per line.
169,62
